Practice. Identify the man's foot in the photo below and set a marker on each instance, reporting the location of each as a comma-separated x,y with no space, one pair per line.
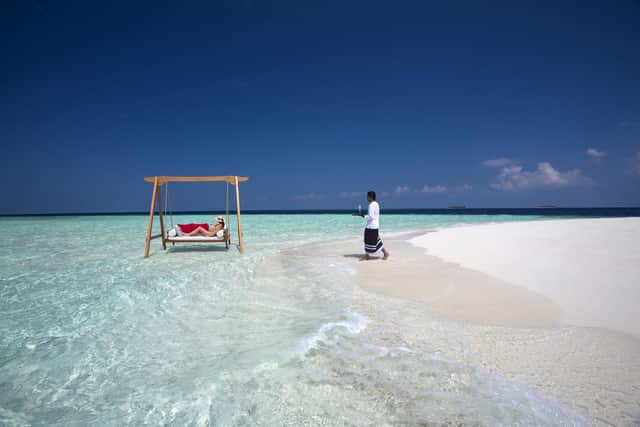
386,256
365,258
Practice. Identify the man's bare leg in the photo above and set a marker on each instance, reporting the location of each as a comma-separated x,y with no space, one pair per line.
386,254
366,257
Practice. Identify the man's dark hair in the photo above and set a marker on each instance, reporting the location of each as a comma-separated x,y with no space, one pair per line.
371,194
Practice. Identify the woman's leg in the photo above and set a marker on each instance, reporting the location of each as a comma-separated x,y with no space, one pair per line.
198,232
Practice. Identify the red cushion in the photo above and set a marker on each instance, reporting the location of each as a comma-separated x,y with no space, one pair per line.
188,228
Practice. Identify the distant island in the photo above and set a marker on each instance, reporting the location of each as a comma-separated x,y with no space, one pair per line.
457,207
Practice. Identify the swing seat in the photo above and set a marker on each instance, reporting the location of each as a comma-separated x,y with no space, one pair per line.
176,232
156,203
226,239
197,239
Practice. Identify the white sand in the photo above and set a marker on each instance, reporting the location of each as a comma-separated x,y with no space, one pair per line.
589,267
434,306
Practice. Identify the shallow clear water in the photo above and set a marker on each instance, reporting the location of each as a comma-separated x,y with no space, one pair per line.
93,334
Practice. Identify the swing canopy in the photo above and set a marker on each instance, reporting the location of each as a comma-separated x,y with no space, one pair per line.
156,203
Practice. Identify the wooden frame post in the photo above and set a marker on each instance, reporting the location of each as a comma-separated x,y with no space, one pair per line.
164,244
240,240
150,225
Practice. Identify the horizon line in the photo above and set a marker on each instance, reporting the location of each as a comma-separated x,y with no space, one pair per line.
451,209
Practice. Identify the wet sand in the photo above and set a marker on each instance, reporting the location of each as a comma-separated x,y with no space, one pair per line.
456,293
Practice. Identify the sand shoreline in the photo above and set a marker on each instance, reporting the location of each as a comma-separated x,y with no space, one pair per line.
456,293
590,268
521,332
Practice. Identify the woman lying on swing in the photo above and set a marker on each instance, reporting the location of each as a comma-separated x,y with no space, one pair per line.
201,231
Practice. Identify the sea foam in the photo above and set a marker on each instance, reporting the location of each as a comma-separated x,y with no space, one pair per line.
329,333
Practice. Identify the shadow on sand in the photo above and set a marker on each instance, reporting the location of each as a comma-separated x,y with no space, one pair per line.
360,256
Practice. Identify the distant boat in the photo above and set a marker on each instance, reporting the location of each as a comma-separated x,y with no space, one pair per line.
457,207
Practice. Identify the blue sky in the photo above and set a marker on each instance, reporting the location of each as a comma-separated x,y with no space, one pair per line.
481,103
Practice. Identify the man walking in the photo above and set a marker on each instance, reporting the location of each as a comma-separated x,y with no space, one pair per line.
372,241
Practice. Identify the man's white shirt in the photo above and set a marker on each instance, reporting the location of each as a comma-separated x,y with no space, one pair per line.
373,216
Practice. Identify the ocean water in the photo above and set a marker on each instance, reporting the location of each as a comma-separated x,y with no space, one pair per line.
93,334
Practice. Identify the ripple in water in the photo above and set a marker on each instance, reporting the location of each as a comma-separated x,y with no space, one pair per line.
91,334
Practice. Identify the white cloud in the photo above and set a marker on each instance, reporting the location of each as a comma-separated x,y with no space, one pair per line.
308,196
515,178
435,189
595,154
430,189
350,194
498,163
402,189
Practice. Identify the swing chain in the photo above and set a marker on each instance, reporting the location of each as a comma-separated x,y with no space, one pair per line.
166,203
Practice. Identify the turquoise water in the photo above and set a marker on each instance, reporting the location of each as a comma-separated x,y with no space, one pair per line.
93,334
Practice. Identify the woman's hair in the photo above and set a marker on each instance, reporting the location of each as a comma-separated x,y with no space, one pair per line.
371,194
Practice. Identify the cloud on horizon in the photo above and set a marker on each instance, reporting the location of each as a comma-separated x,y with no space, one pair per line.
431,189
351,194
516,178
308,196
596,155
435,189
403,190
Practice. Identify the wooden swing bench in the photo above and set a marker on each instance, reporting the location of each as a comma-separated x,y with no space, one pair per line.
156,202
226,238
